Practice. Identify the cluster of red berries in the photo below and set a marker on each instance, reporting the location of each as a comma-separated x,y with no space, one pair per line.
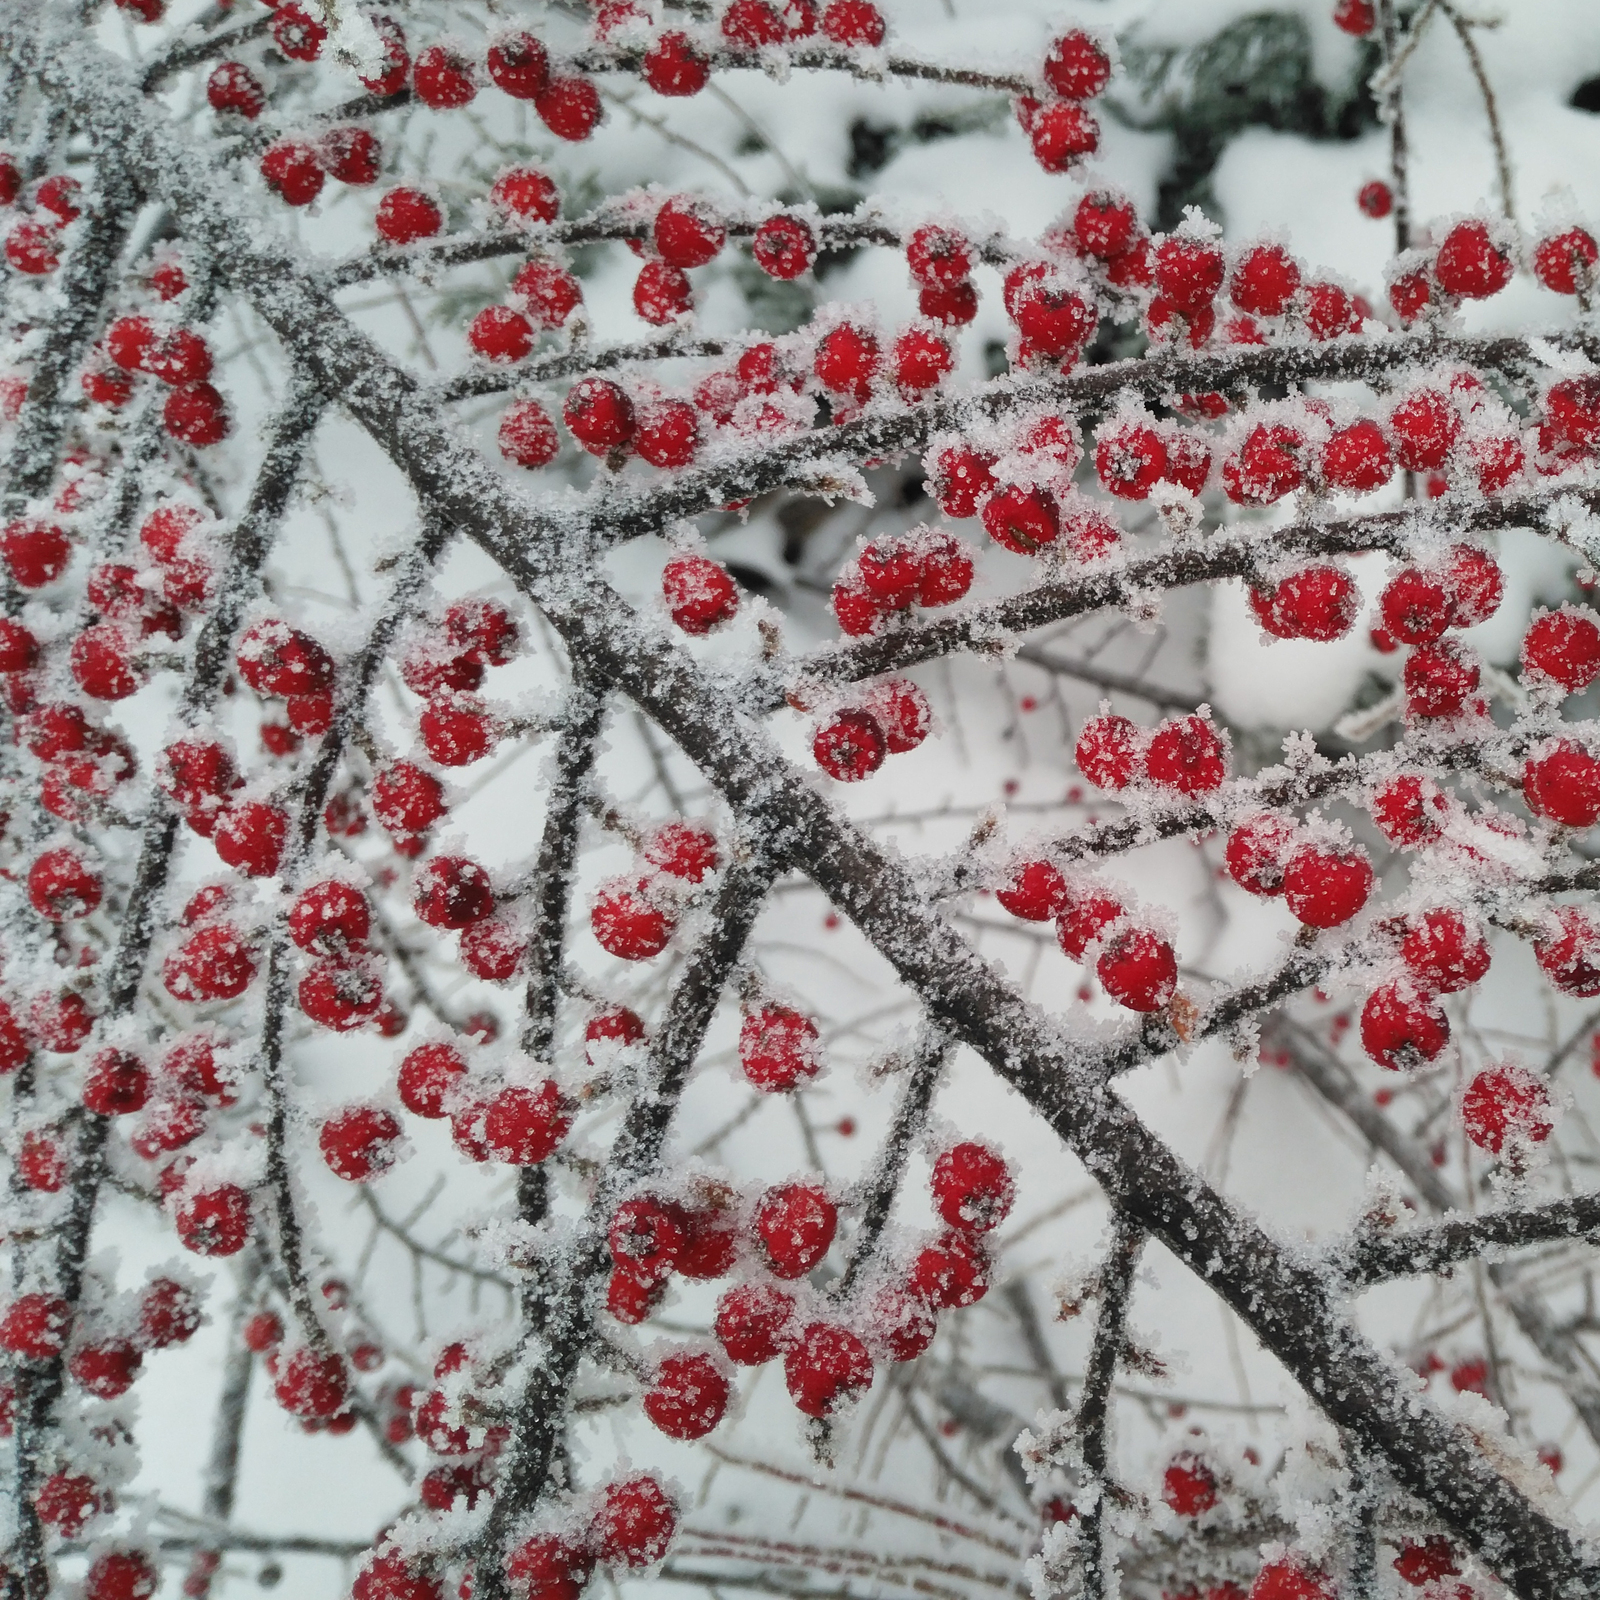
926,567
1188,755
444,661
34,241
1076,68
635,915
888,717
1136,965
194,411
828,1358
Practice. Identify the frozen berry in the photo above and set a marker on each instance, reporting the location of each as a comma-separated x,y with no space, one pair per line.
1138,970
569,107
1564,785
673,66
699,593
1187,754
519,65
784,247
1109,751
443,78
62,886
292,169
751,1322
1438,679
634,1523
1318,602
216,1221
1358,458
1022,520
778,1048
1443,952
1402,1028
599,414
1077,66
1324,886
687,1396
850,745
426,1077
795,1224
405,215
1471,264
452,892
1504,1103
359,1142
627,924
827,1366
1258,851
1564,260
1563,648
972,1187
1189,1485
35,1326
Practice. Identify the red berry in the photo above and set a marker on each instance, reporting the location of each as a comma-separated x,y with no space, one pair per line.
233,87
1318,602
673,66
850,745
1188,272
901,710
1421,1562
1415,606
1022,520
1109,751
647,1236
451,892
1258,851
1471,264
527,435
1268,465
599,414
406,800
41,1164
1035,891
634,1523
406,215
311,1383
1443,953
1085,918
1507,1102
920,360
1403,1028
938,255
1077,66
500,334
668,433
215,1222
900,1323
1358,17
1054,321
36,552
169,1314
10,178
118,1084
1410,295
950,1273
1568,951
292,169
686,850
617,1027
527,193
847,360
1324,887
1563,648
519,64
826,1367
1476,585
1130,460
213,963
750,24
426,1077
1563,260
251,836
1187,754
795,1224
443,79
548,293
275,659
61,886
1328,311
944,567
784,247
352,155
196,413
959,479
493,950
67,1501
1426,426
298,35
359,1142
522,1126
688,232
390,1576
778,1048
627,924
752,1321
121,1575
1358,458
1139,970
699,593
569,107
456,731
1289,1578
662,293
1106,225
397,59
1438,679
972,1187
1564,785
329,917
35,1327
547,1567
859,612
854,22
1188,1485
107,1367
687,1396
34,248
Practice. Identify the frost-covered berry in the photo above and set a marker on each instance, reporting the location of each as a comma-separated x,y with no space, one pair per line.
493,950
518,65
1106,224
1358,458
1077,66
617,1026
668,433
847,360
443,78
329,916
389,1575
1422,1560
1110,751
901,710
406,800
215,1221
1563,648
662,293
527,435
35,1326
972,1187
1564,260
359,1142
1410,810
291,168
1130,460
1507,1102
1291,1577
1022,520
938,255
627,924
673,66
251,836
634,1523
1086,916
920,360
62,886
36,551
1324,886
1425,425
569,107
1054,321
1188,272
405,215
1415,606
232,86
121,1575
527,194
1267,466
778,1048
312,1383
522,1126
501,334
1317,602
548,1567
795,1224
1138,969
599,414
426,1077
41,1162
1189,1485
452,892
69,1501
298,34
1471,264
688,232
699,593
1438,679
961,477
1062,133
854,22
213,963
950,1273
687,1396
1564,785
850,745
1258,850
1443,952
826,1367
106,1367
352,155
784,247
1187,754
457,730
169,1314
1402,1028
1034,891
1476,585
752,1321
